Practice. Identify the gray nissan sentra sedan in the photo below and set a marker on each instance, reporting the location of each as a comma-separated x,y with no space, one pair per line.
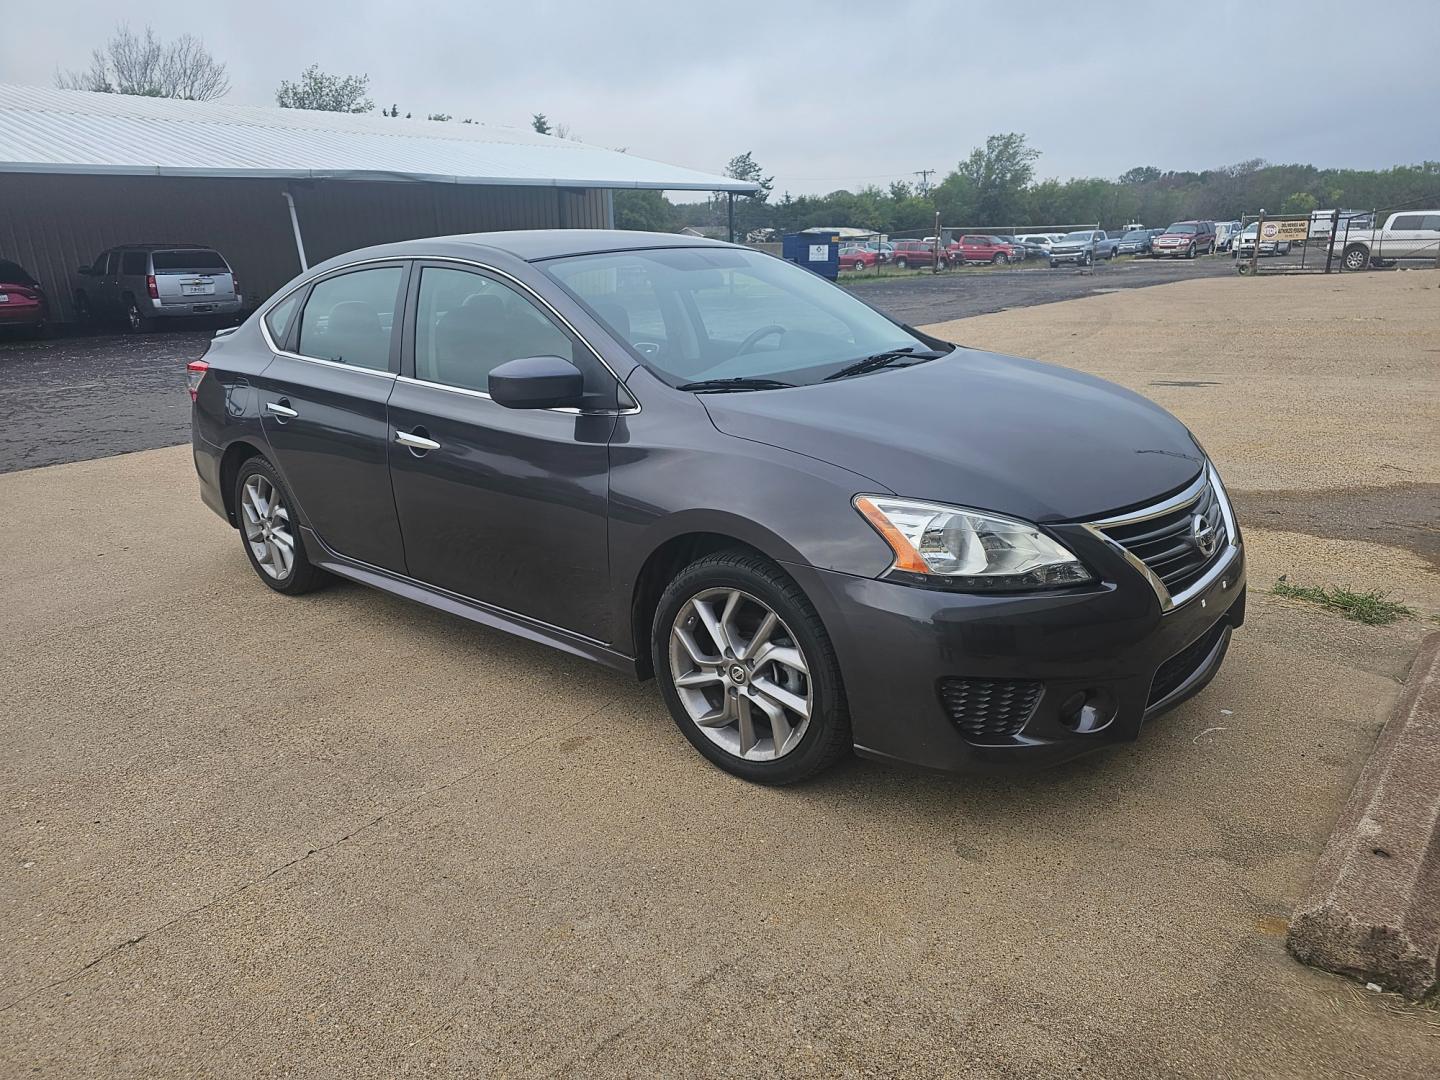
818,529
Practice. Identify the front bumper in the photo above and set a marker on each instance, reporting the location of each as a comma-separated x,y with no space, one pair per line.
1069,256
1105,645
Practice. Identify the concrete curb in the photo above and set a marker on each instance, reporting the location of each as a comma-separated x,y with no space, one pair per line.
1373,909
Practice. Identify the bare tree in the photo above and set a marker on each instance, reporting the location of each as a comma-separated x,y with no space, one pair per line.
144,65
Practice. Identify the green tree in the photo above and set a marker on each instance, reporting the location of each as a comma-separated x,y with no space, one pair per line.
645,211
316,89
540,124
998,173
751,211
143,65
1301,202
1141,174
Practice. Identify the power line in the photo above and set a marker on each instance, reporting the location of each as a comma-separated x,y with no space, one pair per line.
924,175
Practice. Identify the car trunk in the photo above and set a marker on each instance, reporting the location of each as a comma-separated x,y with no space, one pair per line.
192,276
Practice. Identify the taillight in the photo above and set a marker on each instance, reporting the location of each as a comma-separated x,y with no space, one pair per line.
194,372
154,289
235,284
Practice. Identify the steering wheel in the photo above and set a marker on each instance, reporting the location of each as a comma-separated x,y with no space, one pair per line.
756,337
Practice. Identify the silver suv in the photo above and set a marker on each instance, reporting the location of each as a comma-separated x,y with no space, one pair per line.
141,283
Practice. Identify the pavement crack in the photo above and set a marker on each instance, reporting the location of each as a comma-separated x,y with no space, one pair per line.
409,804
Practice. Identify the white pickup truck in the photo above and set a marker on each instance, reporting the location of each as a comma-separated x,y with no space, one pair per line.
1408,235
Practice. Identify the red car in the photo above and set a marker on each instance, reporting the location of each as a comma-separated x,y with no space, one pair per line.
857,258
916,253
983,249
22,301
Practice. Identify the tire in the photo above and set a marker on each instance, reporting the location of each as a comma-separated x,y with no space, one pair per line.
679,636
1054,265
84,314
136,321
1355,258
901,263
1000,259
1190,252
300,576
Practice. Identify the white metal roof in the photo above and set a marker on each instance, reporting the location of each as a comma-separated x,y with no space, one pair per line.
73,131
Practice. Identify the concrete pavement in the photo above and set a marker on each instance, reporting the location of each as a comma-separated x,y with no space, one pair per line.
346,836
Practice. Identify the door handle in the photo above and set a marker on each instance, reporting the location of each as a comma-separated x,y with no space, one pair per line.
416,442
281,410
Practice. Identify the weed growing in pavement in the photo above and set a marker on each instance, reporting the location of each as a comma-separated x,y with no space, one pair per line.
1371,608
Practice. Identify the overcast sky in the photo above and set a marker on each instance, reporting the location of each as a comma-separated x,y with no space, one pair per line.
839,94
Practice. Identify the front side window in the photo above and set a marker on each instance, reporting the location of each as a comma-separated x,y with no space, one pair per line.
466,325
725,313
348,319
99,266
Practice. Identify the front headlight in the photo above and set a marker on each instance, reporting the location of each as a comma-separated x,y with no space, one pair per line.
968,549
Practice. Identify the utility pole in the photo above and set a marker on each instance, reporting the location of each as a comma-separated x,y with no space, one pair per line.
924,174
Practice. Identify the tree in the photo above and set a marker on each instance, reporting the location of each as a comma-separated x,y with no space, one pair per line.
1141,174
645,211
144,65
320,90
999,172
1302,202
540,123
750,210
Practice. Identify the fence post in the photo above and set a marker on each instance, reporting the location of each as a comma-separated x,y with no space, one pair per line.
935,265
1334,228
1255,251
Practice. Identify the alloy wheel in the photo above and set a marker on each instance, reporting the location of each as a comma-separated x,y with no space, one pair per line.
267,527
740,674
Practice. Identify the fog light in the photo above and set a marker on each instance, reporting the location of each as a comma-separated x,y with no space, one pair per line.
1087,710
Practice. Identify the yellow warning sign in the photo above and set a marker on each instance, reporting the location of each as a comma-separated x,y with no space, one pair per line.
1284,230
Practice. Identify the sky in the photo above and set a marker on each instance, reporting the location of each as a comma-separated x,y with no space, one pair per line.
841,94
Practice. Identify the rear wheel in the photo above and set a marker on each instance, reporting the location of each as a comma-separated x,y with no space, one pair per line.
83,312
1355,258
271,532
1000,259
135,319
748,671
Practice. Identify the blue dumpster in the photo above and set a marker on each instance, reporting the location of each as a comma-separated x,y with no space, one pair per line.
819,252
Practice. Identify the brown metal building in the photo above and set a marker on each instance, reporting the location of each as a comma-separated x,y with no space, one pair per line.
276,189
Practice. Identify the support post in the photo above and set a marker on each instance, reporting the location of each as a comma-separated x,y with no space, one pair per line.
1334,230
935,266
1255,251
295,225
730,213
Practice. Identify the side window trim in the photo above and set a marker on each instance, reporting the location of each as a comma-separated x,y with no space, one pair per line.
291,345
499,277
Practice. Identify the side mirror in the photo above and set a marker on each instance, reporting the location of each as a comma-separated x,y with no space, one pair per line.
85,270
537,382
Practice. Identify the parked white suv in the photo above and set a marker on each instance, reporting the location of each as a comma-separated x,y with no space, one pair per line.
141,283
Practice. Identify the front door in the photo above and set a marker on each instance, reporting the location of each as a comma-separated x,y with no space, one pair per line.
322,404
504,506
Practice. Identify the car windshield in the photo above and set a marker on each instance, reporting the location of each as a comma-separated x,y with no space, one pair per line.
1078,236
189,262
1251,230
1181,227
1137,234
14,274
720,313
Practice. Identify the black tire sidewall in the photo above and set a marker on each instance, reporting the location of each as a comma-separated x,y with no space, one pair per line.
829,716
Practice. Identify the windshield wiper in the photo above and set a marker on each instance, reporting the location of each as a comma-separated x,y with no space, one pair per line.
741,382
883,359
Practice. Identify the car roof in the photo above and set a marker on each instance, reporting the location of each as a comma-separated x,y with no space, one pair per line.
534,245
161,247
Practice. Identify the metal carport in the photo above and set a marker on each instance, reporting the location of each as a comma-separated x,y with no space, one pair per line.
80,172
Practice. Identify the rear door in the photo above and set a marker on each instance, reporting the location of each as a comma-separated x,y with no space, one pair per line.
1404,239
322,405
504,506
192,276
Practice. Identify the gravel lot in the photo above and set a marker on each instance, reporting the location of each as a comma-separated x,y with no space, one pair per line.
347,836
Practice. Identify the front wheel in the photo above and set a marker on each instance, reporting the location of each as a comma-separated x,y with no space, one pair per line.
270,530
1190,252
1000,259
901,263
748,671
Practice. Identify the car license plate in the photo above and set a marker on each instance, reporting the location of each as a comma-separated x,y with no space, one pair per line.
4,298
199,288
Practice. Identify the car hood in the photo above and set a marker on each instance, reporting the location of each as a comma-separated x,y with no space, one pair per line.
976,429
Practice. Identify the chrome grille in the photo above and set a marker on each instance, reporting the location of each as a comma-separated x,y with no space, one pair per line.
1170,539
989,708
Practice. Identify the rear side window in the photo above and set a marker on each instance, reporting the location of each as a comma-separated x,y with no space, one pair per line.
278,318
14,274
1432,223
190,261
348,319
133,264
1409,221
